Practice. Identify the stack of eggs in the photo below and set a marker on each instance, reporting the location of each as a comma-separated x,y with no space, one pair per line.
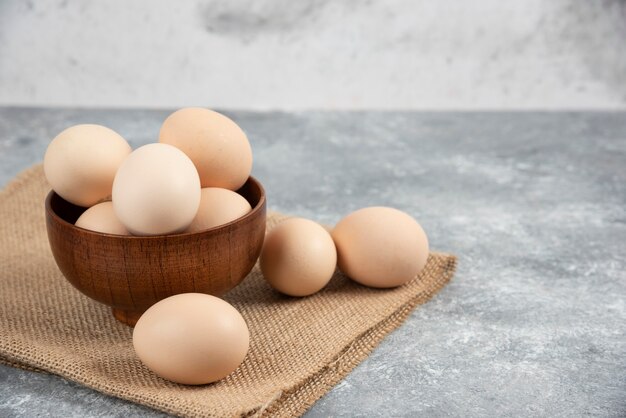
187,183
184,183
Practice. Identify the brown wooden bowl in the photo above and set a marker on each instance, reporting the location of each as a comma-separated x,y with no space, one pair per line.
131,273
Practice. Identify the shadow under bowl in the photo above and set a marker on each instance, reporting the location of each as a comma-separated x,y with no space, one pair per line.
131,273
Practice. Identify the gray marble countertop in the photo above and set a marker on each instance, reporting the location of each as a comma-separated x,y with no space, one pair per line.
534,205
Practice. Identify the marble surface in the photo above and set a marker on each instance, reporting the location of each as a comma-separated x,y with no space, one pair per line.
314,54
534,205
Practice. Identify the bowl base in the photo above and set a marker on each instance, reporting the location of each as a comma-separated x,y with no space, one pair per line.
129,318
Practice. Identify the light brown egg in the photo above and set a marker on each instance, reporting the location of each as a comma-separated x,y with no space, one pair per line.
101,218
156,191
81,162
380,247
298,257
216,145
218,207
191,338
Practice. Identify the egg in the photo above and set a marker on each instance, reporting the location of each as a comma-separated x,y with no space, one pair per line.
298,257
216,145
191,338
80,163
380,247
101,218
156,190
218,207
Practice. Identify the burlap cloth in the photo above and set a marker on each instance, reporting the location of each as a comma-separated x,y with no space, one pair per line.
299,348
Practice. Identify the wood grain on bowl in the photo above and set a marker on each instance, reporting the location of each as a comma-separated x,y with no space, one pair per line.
131,273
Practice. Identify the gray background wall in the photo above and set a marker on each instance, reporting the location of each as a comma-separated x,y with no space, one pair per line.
285,54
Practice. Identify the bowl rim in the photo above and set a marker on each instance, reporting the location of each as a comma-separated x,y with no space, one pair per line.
257,208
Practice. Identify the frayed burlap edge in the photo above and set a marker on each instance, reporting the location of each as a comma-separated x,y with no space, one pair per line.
298,399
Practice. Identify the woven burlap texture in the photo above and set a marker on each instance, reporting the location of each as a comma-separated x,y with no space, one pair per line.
300,347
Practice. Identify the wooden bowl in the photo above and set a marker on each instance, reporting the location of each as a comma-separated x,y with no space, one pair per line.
131,273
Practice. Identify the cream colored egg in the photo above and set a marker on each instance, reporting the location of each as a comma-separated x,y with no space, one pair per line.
218,207
191,338
216,145
298,257
156,191
101,218
81,162
380,246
